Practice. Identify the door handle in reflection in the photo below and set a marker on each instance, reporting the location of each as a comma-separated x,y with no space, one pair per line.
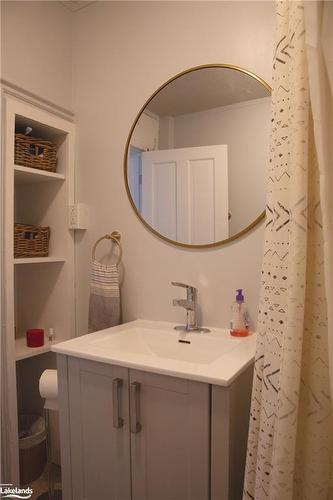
116,388
135,407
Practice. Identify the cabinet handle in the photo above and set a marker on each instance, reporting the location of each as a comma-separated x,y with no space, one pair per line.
135,407
116,387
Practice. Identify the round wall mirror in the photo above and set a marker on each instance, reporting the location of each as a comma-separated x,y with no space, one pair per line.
197,155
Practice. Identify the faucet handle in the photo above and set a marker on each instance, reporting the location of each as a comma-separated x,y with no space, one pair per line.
191,290
177,283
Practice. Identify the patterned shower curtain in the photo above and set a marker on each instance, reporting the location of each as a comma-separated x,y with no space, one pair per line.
291,427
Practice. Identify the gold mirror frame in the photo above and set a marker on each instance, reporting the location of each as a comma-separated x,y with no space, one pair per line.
159,235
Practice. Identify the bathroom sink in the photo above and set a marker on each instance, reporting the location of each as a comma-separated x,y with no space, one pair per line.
169,344
213,357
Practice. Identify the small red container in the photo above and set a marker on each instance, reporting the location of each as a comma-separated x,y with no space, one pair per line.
35,337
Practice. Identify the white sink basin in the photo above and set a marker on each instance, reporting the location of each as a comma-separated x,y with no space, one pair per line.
203,348
213,357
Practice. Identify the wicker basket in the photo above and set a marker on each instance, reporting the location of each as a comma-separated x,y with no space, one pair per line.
35,153
31,241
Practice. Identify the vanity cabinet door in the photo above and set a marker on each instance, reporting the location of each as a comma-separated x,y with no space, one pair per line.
99,430
169,421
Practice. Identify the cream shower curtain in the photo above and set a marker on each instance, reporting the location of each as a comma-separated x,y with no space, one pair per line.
291,427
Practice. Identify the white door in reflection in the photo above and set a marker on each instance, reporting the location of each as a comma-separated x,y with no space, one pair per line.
185,193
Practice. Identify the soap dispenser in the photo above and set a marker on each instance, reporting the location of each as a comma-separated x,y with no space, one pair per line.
239,324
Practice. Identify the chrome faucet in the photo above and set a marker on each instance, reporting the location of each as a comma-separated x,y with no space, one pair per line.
190,304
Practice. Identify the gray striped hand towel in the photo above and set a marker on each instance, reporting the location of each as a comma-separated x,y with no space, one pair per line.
104,302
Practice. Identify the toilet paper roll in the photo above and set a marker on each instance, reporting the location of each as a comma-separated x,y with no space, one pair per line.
48,384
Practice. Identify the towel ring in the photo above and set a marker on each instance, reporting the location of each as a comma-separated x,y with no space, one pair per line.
115,237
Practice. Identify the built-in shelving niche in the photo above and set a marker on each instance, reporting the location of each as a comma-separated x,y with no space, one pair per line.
40,290
47,133
28,372
41,198
44,205
40,303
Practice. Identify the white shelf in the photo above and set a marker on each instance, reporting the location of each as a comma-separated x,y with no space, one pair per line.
22,351
38,260
27,175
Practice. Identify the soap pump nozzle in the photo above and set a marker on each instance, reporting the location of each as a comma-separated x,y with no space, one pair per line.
239,296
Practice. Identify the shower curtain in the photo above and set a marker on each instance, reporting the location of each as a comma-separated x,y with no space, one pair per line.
291,427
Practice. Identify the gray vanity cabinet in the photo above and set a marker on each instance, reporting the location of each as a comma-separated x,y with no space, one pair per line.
99,431
132,435
169,437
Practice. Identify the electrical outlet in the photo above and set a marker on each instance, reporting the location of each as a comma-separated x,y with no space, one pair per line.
78,216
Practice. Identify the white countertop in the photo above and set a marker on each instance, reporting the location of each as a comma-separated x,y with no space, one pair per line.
215,357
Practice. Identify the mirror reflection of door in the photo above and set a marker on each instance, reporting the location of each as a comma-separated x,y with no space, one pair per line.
185,193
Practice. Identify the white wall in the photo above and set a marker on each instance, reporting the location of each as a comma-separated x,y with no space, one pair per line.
245,128
36,41
36,55
123,51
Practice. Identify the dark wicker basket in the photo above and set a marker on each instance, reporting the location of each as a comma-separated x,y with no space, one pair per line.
35,153
31,241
